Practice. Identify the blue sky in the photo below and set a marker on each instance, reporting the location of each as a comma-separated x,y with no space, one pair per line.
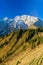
12,8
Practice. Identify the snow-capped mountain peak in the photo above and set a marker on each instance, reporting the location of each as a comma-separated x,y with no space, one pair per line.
29,20
7,25
6,18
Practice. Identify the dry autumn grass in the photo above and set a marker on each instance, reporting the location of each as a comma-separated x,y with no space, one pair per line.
22,47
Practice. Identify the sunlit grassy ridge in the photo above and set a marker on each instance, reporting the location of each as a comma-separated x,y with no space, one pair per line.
18,41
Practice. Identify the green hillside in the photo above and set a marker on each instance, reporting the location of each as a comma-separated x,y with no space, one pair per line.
19,42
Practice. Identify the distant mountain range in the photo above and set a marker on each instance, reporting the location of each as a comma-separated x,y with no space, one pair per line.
19,22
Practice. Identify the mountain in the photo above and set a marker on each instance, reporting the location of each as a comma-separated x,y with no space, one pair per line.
22,47
7,25
29,20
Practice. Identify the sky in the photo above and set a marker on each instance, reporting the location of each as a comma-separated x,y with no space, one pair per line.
12,8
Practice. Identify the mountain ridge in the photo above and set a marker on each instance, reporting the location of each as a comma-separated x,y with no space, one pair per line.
7,25
18,42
